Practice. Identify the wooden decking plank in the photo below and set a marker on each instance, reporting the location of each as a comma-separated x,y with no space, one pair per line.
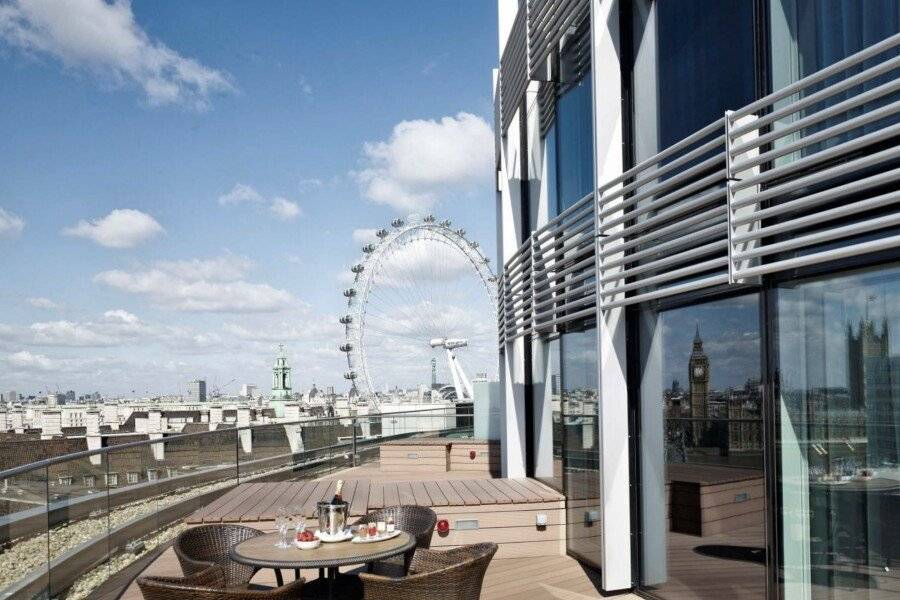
514,493
468,498
254,498
349,491
501,496
487,495
376,495
198,515
453,497
421,495
294,496
273,491
434,492
216,516
526,493
406,493
360,504
548,494
391,496
309,506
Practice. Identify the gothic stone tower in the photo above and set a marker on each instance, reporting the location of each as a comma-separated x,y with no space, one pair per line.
698,376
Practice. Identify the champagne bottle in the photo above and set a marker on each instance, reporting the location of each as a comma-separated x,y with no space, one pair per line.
338,499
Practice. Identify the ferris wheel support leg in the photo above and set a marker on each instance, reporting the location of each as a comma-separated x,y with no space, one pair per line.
460,381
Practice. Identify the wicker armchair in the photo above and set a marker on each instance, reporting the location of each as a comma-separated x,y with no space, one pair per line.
206,545
209,585
455,574
418,521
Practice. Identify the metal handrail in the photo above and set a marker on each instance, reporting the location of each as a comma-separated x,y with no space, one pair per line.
47,462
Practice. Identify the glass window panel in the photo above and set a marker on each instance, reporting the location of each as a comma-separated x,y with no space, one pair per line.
574,144
702,487
839,425
580,447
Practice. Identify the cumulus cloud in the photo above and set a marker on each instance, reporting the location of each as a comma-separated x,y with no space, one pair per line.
284,208
115,327
28,360
105,39
122,228
212,285
426,159
279,206
43,303
10,225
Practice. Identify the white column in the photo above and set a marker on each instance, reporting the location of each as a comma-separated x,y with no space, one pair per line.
215,417
51,424
17,421
246,435
92,434
613,409
292,428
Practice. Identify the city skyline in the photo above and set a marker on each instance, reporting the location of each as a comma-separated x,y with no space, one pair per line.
190,214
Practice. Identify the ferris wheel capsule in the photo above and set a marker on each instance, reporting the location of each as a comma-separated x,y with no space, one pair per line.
429,219
350,375
382,233
474,244
369,248
446,223
346,347
346,319
461,232
357,268
397,222
349,293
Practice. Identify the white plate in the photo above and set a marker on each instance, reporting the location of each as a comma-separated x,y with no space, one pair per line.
378,538
341,537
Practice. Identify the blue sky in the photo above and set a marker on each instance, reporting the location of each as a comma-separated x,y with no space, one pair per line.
181,182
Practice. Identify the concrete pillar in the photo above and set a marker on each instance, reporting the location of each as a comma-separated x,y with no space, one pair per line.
4,421
140,424
159,450
92,434
154,421
51,424
215,417
292,428
204,416
17,421
246,435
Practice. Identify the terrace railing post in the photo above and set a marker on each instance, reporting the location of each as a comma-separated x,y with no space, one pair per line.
353,456
237,456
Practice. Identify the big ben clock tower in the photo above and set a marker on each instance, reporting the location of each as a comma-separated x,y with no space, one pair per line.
698,376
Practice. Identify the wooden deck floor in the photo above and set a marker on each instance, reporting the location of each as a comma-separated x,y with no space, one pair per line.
539,578
367,489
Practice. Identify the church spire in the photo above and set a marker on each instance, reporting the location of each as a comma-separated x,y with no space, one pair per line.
698,341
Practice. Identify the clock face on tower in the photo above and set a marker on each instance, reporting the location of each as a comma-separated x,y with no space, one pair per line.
698,371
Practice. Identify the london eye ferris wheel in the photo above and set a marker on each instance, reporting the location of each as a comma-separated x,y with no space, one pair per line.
422,303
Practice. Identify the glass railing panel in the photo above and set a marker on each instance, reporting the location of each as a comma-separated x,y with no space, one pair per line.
79,518
24,550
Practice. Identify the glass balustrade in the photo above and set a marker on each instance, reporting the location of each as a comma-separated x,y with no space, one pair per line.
71,525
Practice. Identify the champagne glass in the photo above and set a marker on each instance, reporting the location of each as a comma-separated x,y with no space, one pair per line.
282,522
299,519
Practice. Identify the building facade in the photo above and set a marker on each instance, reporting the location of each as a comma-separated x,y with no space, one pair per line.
698,224
197,391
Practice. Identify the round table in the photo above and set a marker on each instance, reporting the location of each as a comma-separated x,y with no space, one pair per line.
262,552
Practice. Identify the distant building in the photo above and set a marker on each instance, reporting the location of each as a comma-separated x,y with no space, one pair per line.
250,390
55,399
11,396
197,390
70,396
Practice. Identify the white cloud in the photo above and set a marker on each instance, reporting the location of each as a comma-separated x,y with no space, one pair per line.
304,86
212,285
43,303
426,159
284,208
28,360
115,327
240,194
244,194
10,225
364,236
122,228
104,38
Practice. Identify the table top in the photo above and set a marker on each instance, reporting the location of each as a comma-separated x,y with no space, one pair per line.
262,552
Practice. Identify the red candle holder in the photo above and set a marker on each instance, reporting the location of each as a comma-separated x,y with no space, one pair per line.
443,527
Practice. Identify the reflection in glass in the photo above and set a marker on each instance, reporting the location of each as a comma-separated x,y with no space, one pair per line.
839,410
574,144
702,486
580,447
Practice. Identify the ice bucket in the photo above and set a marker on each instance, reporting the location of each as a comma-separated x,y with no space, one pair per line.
332,517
